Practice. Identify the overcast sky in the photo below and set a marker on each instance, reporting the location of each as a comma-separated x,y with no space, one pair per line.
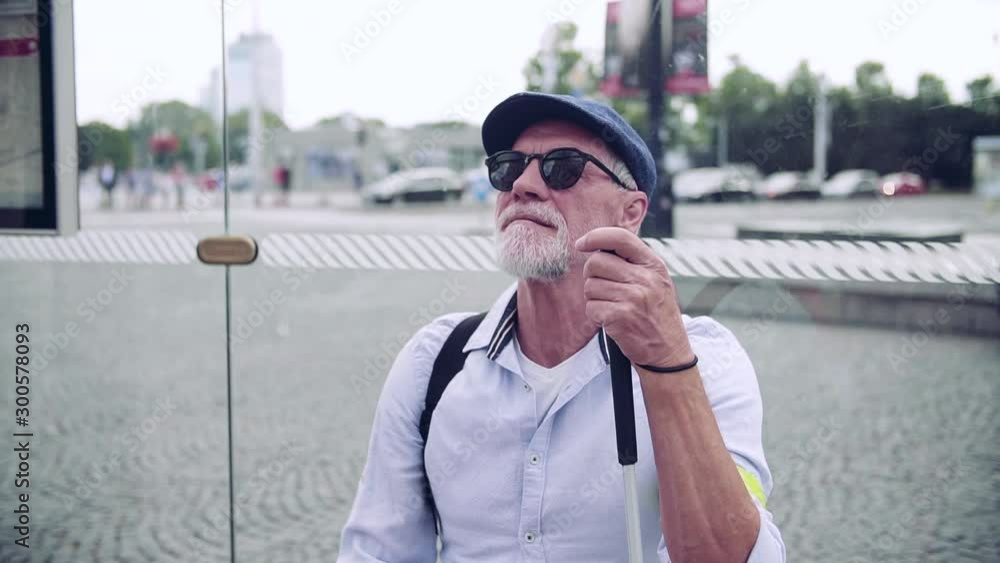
432,56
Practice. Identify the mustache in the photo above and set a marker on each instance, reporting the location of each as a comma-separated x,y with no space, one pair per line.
536,212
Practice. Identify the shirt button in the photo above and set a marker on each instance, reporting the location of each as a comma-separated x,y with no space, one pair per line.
529,537
534,459
527,387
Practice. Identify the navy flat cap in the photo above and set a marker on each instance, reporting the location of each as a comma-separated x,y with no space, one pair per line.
511,117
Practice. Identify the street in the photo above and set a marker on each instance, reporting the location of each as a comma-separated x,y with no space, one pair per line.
343,212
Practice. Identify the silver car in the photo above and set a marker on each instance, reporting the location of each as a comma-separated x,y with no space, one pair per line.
788,185
417,184
851,183
728,183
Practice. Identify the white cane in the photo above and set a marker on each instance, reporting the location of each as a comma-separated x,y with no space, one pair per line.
621,391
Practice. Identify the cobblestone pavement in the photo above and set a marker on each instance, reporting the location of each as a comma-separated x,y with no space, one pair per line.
882,443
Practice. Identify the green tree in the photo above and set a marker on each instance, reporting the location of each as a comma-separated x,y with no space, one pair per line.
878,135
748,103
803,83
702,132
872,127
239,131
574,73
871,80
577,75
794,120
931,91
98,141
983,96
743,92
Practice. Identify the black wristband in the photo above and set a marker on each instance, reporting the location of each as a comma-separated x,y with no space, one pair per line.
673,369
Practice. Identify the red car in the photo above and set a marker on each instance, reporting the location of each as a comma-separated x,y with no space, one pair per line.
903,183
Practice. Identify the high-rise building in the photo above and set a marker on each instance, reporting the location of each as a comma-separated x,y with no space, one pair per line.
254,69
211,95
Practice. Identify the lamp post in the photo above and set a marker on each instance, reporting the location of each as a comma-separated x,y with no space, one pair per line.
356,127
550,60
722,145
660,223
821,131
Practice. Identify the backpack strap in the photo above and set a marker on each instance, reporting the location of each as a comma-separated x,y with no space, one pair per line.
448,363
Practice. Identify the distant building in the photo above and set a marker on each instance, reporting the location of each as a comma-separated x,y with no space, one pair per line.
210,99
252,53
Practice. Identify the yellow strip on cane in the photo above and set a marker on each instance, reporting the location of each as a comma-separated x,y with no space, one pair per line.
753,485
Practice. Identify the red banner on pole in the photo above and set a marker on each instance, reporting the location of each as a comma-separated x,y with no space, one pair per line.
686,67
621,79
690,8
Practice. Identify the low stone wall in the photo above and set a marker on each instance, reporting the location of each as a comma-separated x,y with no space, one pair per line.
932,308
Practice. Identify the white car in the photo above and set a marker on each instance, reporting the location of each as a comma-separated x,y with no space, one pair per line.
741,182
698,184
732,182
851,183
416,184
788,185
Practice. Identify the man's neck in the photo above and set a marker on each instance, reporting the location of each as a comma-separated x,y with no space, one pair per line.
552,323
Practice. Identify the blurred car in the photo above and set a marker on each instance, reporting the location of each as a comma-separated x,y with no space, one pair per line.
741,182
788,185
240,178
417,184
733,182
856,182
903,183
698,184
210,180
214,179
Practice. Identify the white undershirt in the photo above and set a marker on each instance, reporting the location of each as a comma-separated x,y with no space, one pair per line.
547,382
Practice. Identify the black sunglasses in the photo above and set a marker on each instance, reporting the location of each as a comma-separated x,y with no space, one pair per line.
561,168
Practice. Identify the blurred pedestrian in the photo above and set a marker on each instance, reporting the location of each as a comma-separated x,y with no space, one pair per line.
177,176
359,180
283,177
147,187
107,176
131,183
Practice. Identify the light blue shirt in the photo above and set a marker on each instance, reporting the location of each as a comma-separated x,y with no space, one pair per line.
509,489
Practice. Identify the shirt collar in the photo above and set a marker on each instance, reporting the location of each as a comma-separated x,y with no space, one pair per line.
497,329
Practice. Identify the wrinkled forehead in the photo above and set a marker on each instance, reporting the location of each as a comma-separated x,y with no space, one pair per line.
547,135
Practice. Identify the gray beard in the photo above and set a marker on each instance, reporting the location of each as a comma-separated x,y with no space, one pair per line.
529,255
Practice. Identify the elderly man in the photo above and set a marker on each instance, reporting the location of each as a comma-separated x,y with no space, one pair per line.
520,462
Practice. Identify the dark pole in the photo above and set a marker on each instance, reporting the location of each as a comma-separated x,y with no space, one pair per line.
660,220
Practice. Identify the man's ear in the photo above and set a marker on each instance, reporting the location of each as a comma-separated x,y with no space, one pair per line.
635,205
